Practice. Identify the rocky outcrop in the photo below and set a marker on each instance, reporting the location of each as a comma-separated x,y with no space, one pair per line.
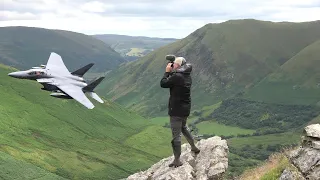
313,131
289,174
210,164
307,157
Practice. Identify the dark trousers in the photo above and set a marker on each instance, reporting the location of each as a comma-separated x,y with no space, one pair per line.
178,126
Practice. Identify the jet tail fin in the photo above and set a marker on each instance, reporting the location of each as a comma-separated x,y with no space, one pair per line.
93,84
89,89
80,72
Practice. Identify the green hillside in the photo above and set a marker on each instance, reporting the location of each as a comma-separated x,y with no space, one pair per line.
45,137
295,82
24,47
134,47
16,169
228,58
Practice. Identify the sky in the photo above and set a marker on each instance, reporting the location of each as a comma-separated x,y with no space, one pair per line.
153,18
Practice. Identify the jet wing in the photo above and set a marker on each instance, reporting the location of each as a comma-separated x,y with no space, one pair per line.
76,93
56,65
73,91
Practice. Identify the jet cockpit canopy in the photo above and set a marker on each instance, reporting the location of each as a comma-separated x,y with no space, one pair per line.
35,72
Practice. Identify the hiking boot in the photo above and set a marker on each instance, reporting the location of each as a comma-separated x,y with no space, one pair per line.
175,163
195,149
176,147
188,136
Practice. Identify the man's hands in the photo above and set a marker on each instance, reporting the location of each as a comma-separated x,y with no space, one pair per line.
169,68
168,80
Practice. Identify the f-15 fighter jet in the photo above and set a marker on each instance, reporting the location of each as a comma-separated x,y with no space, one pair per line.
55,77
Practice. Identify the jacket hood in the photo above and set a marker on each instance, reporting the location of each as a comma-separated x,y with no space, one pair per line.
185,69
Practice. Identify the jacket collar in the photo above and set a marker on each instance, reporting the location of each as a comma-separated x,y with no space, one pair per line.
185,69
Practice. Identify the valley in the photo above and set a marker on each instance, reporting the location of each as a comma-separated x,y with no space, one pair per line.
133,47
255,84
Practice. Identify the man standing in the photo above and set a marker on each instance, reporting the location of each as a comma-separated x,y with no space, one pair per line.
178,79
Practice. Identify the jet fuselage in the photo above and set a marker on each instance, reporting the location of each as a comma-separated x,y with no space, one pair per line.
34,74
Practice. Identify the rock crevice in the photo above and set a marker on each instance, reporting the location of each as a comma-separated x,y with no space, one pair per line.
210,164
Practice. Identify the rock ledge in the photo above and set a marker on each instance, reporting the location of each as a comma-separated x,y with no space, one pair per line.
210,164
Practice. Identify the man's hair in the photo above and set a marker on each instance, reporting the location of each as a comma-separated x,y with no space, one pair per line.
180,60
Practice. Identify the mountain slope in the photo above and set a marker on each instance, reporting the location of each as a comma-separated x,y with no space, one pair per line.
11,168
227,58
23,47
295,82
63,137
133,47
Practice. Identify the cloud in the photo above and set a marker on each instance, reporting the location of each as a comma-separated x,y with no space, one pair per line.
96,7
12,15
165,18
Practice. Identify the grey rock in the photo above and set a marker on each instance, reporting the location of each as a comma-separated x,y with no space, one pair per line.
298,176
307,157
310,142
210,164
288,174
304,159
313,130
315,144
315,173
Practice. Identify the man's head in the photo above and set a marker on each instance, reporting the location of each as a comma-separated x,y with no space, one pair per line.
178,62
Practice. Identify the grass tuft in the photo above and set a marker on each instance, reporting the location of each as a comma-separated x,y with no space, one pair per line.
271,169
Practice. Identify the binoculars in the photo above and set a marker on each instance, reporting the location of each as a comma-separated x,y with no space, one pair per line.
170,58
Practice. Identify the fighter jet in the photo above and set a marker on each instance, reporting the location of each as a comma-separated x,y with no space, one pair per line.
55,77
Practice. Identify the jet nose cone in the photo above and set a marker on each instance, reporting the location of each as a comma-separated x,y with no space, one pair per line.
15,74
